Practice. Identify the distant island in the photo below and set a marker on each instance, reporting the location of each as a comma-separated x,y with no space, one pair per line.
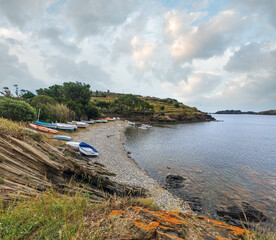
268,112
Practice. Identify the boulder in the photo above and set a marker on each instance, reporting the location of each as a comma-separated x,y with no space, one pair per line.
174,181
243,212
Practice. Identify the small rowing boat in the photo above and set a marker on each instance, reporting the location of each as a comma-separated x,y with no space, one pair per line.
79,124
88,150
47,125
73,144
62,137
131,123
66,127
42,129
146,125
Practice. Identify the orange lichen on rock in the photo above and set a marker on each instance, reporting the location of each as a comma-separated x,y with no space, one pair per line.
146,227
166,217
236,230
116,212
221,238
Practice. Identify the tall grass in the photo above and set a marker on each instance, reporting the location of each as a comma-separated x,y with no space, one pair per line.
15,129
50,216
62,112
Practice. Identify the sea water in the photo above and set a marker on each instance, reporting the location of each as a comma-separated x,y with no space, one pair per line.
225,162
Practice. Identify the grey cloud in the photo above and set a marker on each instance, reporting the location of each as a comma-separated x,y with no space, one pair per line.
14,72
64,69
93,16
265,9
251,58
54,36
19,12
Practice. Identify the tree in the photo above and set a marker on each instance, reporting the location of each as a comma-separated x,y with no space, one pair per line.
6,92
92,111
162,107
16,110
79,92
27,95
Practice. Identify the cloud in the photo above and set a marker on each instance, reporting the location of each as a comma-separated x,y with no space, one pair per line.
64,70
205,40
264,9
54,36
92,17
251,58
198,84
19,13
13,71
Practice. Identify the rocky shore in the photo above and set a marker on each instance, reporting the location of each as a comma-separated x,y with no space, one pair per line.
108,138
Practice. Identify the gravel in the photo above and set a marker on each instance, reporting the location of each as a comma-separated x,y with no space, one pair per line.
108,139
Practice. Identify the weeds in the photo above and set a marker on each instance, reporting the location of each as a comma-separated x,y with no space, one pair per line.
2,181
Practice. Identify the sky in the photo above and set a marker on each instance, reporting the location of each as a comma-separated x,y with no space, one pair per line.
210,54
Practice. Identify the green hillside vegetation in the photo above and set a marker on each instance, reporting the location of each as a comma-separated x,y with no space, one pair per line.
76,101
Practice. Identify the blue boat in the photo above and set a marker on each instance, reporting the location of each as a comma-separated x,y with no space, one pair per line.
88,150
48,125
62,137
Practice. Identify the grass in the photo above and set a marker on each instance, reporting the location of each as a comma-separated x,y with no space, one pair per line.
17,130
2,180
50,216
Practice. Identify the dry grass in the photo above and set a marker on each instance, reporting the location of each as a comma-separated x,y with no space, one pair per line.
15,129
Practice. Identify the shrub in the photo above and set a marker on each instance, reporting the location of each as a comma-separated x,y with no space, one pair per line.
162,107
62,112
16,110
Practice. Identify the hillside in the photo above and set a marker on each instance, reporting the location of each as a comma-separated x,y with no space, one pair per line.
269,112
163,110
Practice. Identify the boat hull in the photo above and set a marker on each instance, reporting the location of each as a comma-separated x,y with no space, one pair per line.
42,129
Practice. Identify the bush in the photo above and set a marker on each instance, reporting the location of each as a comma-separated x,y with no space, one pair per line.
162,108
16,110
92,111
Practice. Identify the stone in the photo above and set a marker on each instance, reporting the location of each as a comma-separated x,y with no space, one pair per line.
174,181
243,212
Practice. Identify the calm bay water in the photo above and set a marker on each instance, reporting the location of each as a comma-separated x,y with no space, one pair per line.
224,162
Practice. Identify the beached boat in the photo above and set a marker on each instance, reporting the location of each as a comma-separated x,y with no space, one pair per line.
146,125
143,128
73,144
79,124
131,123
88,122
62,137
66,127
88,150
47,125
97,121
104,120
42,129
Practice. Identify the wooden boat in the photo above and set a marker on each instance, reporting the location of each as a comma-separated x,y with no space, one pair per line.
47,125
88,150
66,127
62,137
42,129
131,123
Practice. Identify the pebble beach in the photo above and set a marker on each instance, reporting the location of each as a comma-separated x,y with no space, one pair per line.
108,139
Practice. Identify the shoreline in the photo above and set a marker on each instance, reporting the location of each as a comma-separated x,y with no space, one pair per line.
108,139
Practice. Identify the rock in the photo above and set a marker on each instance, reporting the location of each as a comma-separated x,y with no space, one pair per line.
245,213
174,181
128,152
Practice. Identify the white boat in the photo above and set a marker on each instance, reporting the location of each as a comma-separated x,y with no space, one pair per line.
131,123
118,118
88,122
88,150
97,121
80,124
73,144
104,121
143,128
146,125
66,127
